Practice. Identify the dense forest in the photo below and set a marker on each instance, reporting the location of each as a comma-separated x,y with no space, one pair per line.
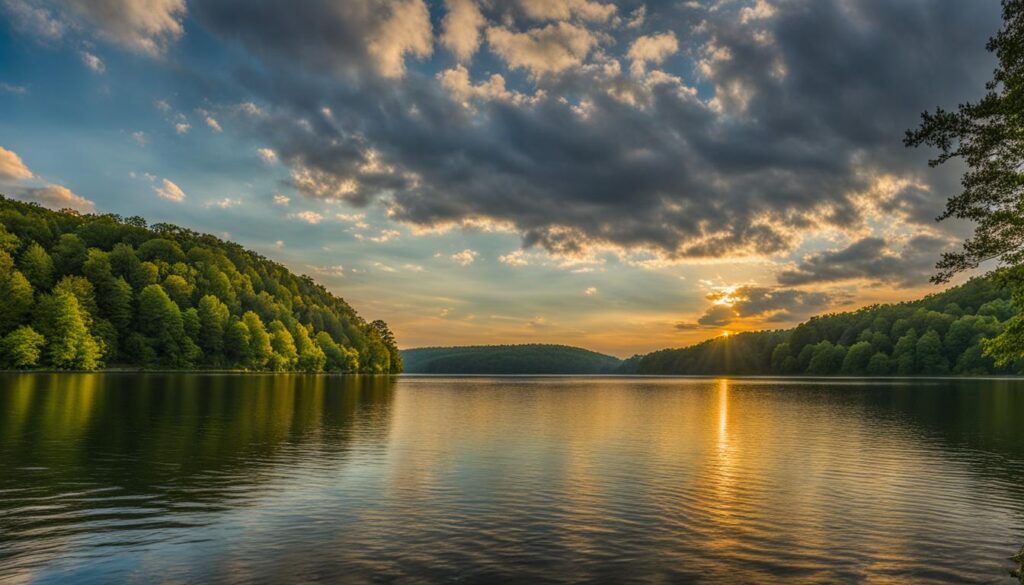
508,359
941,334
83,292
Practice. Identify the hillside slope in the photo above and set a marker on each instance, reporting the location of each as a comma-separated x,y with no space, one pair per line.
88,291
507,359
938,335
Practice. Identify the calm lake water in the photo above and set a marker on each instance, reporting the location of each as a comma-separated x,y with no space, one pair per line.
292,479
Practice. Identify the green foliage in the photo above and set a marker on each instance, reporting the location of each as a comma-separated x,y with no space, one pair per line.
508,359
958,331
70,345
15,294
114,290
986,136
21,348
37,266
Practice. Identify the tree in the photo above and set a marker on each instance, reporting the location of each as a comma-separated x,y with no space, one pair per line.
930,360
69,254
37,266
213,320
260,348
69,344
21,348
905,354
311,356
15,294
335,358
857,358
159,319
285,354
388,339
84,292
878,365
113,294
237,343
986,135
179,290
826,358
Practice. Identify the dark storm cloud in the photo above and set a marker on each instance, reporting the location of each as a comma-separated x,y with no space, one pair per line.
871,259
809,106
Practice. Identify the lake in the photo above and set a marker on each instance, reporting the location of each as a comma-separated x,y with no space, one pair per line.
111,478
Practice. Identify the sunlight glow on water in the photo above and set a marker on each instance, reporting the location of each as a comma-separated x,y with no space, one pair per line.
291,479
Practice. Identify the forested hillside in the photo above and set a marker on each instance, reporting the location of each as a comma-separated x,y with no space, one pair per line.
508,359
937,335
89,291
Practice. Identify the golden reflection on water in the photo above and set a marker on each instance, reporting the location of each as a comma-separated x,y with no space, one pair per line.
734,480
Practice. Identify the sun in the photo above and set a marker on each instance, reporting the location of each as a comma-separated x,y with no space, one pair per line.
726,333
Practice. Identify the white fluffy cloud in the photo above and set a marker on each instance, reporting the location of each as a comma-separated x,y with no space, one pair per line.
540,51
565,9
267,154
406,31
461,28
11,166
651,49
93,62
457,83
55,197
465,257
169,191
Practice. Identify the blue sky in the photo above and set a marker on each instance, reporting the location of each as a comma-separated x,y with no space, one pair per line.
624,176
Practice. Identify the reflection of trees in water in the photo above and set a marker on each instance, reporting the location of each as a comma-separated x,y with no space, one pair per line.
201,438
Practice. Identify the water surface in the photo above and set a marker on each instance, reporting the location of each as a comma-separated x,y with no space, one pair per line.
111,478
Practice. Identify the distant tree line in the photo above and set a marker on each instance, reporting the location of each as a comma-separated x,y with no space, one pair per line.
953,332
87,291
508,359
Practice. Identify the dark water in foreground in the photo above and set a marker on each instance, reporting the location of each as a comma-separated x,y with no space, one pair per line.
292,479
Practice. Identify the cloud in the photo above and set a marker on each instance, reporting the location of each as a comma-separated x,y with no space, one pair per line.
146,26
465,257
223,203
590,291
92,62
565,9
267,154
35,19
310,217
551,49
651,49
182,127
213,124
516,258
282,200
766,304
169,191
12,88
55,197
11,166
459,86
796,114
139,137
873,259
382,237
405,31
461,28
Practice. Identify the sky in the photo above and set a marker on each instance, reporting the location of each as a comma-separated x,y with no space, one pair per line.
623,176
